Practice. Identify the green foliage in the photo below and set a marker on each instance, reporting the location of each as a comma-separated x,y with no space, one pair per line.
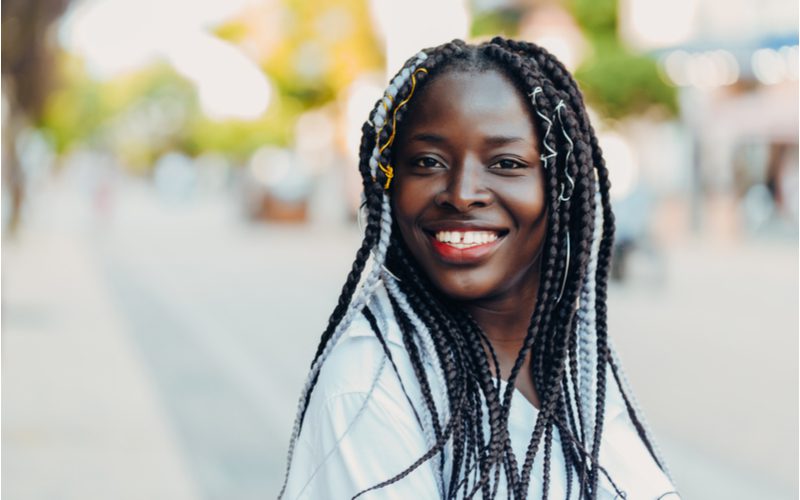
619,83
114,114
323,45
239,139
232,31
496,22
615,80
73,113
595,17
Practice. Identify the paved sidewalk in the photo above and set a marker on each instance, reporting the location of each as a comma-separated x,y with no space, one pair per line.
80,417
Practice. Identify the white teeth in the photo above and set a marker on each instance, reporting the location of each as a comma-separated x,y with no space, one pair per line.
466,239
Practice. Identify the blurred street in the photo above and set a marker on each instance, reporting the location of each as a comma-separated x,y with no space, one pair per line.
157,350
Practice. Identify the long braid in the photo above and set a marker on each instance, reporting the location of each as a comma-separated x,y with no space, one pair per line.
587,330
373,323
406,328
432,356
535,438
565,81
477,341
450,429
438,316
603,264
562,78
600,275
440,327
370,238
376,239
635,411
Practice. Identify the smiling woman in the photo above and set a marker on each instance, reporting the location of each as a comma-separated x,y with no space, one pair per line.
473,357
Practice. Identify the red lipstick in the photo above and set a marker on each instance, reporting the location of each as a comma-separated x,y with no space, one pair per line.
469,255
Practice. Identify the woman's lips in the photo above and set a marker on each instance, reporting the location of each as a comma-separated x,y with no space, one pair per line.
465,247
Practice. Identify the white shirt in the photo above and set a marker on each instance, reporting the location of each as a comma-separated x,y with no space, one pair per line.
350,442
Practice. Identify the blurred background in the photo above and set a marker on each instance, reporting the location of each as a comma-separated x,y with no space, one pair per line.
178,195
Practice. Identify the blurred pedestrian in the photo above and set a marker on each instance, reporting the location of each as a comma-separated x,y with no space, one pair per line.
473,357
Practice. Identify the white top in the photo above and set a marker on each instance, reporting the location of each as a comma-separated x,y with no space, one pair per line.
350,442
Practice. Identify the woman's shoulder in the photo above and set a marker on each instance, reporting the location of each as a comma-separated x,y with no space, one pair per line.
359,359
357,397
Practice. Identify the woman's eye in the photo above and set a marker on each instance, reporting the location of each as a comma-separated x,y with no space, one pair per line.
506,164
427,162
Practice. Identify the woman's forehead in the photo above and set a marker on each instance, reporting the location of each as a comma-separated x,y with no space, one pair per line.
485,100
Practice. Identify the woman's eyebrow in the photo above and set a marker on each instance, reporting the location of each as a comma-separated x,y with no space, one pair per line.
502,140
428,137
494,140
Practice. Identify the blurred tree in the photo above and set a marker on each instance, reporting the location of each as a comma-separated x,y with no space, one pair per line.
138,115
311,52
503,22
326,45
27,62
617,81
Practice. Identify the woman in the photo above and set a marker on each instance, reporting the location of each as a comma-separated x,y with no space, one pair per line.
473,358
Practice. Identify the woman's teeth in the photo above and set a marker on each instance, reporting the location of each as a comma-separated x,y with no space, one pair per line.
466,239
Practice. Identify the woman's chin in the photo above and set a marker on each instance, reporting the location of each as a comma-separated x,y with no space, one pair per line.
461,289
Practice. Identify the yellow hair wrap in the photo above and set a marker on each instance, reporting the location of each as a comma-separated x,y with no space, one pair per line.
387,169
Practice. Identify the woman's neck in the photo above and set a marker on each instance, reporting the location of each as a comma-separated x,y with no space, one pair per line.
505,321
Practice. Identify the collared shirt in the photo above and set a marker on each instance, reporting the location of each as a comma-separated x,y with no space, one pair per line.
360,430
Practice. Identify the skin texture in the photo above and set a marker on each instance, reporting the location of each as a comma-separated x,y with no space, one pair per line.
467,155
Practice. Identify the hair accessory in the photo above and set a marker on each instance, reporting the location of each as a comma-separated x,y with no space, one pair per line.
552,153
387,169
569,152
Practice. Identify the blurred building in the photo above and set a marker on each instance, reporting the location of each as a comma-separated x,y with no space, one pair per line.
736,67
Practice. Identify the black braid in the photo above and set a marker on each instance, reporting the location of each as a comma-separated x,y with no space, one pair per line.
416,361
436,316
529,75
564,81
373,323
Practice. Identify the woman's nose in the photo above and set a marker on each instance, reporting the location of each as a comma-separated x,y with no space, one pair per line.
466,187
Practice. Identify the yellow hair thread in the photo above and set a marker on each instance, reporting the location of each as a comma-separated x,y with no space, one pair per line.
388,170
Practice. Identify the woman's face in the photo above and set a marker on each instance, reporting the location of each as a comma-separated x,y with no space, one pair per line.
468,192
